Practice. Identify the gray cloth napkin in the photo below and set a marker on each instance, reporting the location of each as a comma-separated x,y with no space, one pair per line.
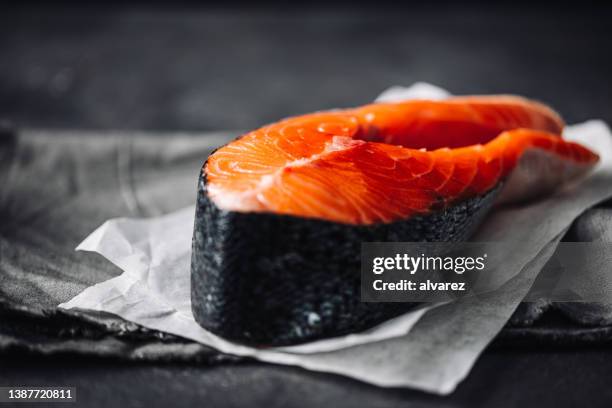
58,186
55,187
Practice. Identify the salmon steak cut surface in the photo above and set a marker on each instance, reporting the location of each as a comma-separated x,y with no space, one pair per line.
386,162
287,206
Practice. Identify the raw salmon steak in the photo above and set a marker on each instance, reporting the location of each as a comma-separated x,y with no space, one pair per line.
282,210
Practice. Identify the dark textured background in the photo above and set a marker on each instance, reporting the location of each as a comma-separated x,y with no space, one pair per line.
204,68
207,69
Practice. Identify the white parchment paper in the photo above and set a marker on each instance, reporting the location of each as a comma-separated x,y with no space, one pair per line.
431,349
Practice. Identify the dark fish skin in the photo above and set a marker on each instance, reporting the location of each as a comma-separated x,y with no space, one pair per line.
264,279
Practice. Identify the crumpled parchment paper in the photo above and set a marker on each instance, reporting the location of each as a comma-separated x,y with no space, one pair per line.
431,349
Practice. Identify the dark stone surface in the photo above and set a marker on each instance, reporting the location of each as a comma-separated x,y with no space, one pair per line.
209,68
206,68
500,379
